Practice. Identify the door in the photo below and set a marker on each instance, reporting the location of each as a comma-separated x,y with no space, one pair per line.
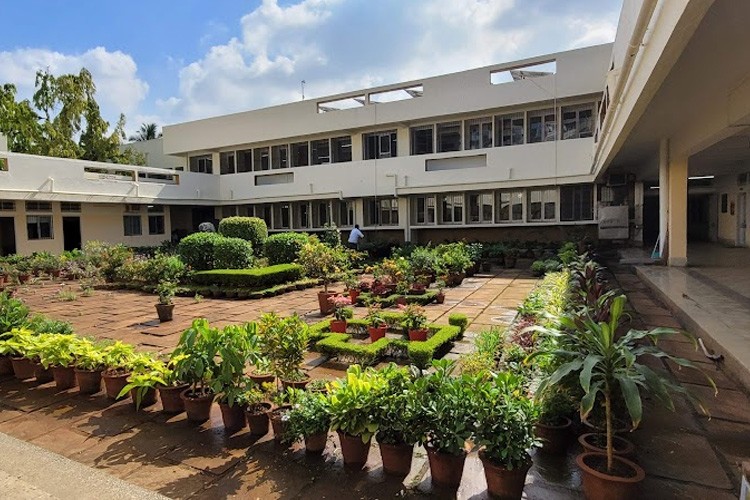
71,233
7,236
203,214
741,219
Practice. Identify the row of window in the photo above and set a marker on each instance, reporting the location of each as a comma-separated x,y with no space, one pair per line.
298,215
41,206
132,220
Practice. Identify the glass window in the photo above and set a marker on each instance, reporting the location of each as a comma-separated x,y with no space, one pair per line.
321,151
542,125
38,206
448,137
510,206
264,212
322,213
576,203
7,205
510,130
302,215
226,163
480,208
542,204
424,210
452,208
155,224
131,225
379,145
201,164
341,148
244,160
346,213
479,133
39,227
577,121
389,212
422,140
69,206
300,154
282,216
228,211
280,156
260,159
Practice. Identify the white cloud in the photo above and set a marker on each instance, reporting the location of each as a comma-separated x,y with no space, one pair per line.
594,31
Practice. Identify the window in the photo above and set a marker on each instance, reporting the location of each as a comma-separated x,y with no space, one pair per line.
201,164
510,206
424,210
282,216
479,133
542,204
510,130
8,206
576,203
321,151
577,121
452,208
280,156
69,206
156,219
322,213
421,140
342,149
302,215
724,203
131,225
226,163
480,208
228,211
264,212
38,206
244,160
379,145
382,212
39,227
260,159
542,125
300,154
346,213
448,137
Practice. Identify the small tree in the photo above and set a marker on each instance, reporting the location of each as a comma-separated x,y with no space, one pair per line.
323,262
252,229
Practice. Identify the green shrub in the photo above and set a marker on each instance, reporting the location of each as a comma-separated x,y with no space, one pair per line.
459,320
421,354
233,253
164,267
284,248
331,235
107,258
252,229
337,344
197,250
261,277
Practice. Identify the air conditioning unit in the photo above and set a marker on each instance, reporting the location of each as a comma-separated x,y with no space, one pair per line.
614,180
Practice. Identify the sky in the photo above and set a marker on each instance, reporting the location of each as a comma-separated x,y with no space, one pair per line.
169,61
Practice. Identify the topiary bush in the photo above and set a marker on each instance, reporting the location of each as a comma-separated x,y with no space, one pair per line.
233,253
197,250
284,248
250,278
252,229
459,320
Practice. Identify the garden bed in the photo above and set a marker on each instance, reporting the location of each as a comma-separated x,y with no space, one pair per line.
423,299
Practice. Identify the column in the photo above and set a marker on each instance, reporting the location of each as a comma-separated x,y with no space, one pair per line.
677,212
663,194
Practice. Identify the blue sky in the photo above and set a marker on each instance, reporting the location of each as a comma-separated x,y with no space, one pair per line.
170,61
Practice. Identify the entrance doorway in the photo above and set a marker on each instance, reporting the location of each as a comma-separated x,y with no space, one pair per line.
71,233
741,219
7,236
203,214
699,224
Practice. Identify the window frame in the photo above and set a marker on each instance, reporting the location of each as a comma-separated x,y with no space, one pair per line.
482,142
37,222
204,164
548,128
457,201
578,210
413,139
227,163
547,196
516,197
481,196
136,229
441,135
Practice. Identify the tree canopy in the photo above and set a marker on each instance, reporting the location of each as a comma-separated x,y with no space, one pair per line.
147,132
62,119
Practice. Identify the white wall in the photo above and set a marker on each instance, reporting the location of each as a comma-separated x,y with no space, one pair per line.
3,143
154,151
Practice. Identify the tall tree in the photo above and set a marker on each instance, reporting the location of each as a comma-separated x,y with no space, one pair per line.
147,132
18,121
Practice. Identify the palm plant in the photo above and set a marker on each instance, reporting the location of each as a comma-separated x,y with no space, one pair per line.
146,132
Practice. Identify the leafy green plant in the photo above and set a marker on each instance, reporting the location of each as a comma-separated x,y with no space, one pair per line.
197,250
374,316
331,235
235,344
323,262
397,406
195,358
232,253
90,356
283,342
13,313
117,356
166,291
284,248
250,278
252,229
460,320
309,416
67,295
58,349
414,317
142,382
353,400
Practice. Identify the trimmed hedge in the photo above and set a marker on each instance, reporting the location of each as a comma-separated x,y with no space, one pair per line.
337,344
426,298
232,253
252,229
283,248
197,250
459,320
262,277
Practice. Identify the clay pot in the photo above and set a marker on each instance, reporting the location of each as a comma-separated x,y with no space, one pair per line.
278,424
233,417
171,402
262,378
257,418
555,438
354,450
316,443
89,381
446,469
401,301
590,443
439,298
198,408
24,278
504,483
23,368
337,326
64,376
599,485
418,335
396,458
149,398
325,306
354,295
165,312
114,383
376,333
295,384
42,374
6,366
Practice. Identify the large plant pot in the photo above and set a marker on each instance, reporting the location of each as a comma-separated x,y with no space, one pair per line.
325,306
24,278
376,333
440,298
257,418
64,376
337,326
419,334
354,295
354,450
6,366
278,424
504,483
446,469
396,458
197,407
262,378
23,368
165,312
595,442
401,301
555,438
599,485
233,417
42,374
89,381
171,402
114,383
295,384
149,398
316,443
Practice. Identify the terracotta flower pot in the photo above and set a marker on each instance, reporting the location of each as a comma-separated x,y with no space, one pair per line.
504,483
257,418
42,374
6,366
418,334
198,408
149,398
599,485
233,417
396,458
337,326
171,402
23,368
114,383
295,384
440,298
325,306
354,295
89,381
316,443
555,438
401,301
165,312
376,333
64,376
354,450
595,442
262,378
24,278
278,424
446,469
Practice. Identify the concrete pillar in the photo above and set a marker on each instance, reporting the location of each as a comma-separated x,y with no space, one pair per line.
677,212
663,193
638,208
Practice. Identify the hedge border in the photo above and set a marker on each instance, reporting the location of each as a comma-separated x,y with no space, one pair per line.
220,292
259,277
423,299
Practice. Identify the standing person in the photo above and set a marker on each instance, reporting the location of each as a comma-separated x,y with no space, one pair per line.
354,237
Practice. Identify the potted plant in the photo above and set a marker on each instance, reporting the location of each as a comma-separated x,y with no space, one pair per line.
142,387
256,410
165,306
376,325
262,373
553,426
395,416
325,263
310,420
283,341
16,345
505,417
170,391
352,286
341,311
117,357
232,399
58,353
88,367
414,321
234,346
511,256
282,401
440,297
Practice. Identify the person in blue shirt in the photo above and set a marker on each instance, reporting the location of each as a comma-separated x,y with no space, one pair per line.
354,236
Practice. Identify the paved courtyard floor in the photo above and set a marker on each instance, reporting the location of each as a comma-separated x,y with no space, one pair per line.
685,455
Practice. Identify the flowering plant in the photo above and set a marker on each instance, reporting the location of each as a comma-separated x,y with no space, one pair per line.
340,303
414,317
374,316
